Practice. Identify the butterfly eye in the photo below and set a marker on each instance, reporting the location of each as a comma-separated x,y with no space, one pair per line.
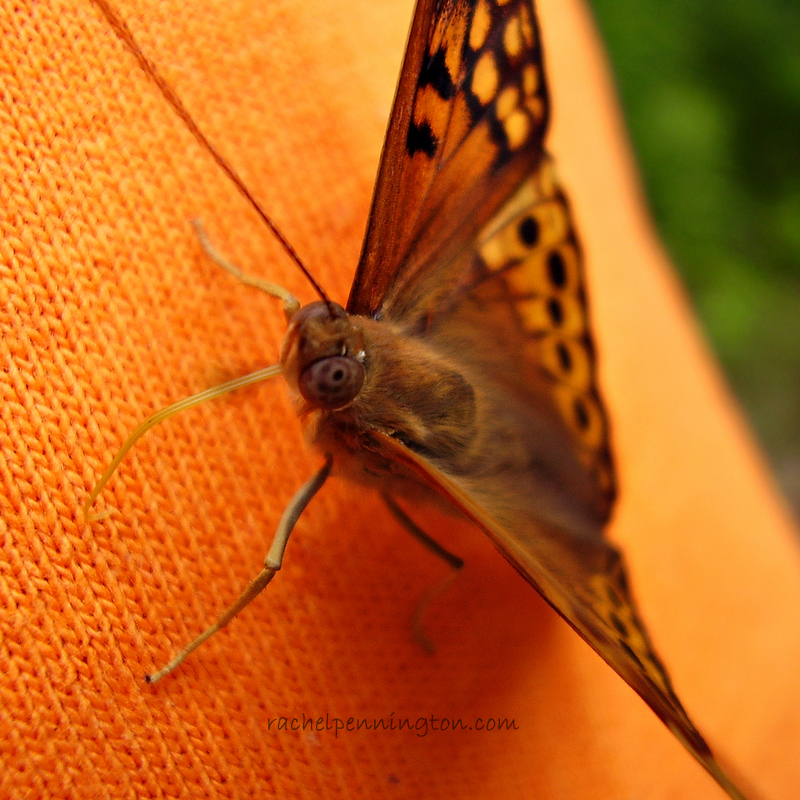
332,382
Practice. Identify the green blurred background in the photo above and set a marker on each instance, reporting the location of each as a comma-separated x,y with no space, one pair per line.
711,92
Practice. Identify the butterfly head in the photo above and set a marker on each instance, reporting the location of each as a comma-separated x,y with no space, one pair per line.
323,356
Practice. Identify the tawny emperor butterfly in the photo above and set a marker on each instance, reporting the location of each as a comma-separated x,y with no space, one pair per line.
462,370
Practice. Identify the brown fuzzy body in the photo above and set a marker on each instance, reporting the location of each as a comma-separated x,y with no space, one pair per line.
418,391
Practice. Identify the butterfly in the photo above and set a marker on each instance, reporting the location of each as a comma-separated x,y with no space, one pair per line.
462,370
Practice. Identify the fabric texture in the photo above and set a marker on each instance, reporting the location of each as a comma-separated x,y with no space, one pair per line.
109,310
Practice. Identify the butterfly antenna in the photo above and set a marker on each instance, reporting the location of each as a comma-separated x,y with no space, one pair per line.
124,33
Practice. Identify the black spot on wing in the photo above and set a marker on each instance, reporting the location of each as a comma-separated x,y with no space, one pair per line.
622,578
421,139
556,312
529,231
622,629
581,415
564,357
474,106
557,270
497,134
629,652
612,595
435,73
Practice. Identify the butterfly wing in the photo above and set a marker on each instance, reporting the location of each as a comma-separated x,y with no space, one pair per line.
466,129
585,580
520,318
465,194
471,246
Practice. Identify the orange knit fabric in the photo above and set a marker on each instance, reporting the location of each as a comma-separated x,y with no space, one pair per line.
109,311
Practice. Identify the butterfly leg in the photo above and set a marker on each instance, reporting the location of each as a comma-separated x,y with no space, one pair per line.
272,563
431,544
290,302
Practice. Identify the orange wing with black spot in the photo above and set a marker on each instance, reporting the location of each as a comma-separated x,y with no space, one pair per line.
529,260
471,245
585,581
467,128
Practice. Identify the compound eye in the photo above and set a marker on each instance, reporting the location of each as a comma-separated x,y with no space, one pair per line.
332,382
